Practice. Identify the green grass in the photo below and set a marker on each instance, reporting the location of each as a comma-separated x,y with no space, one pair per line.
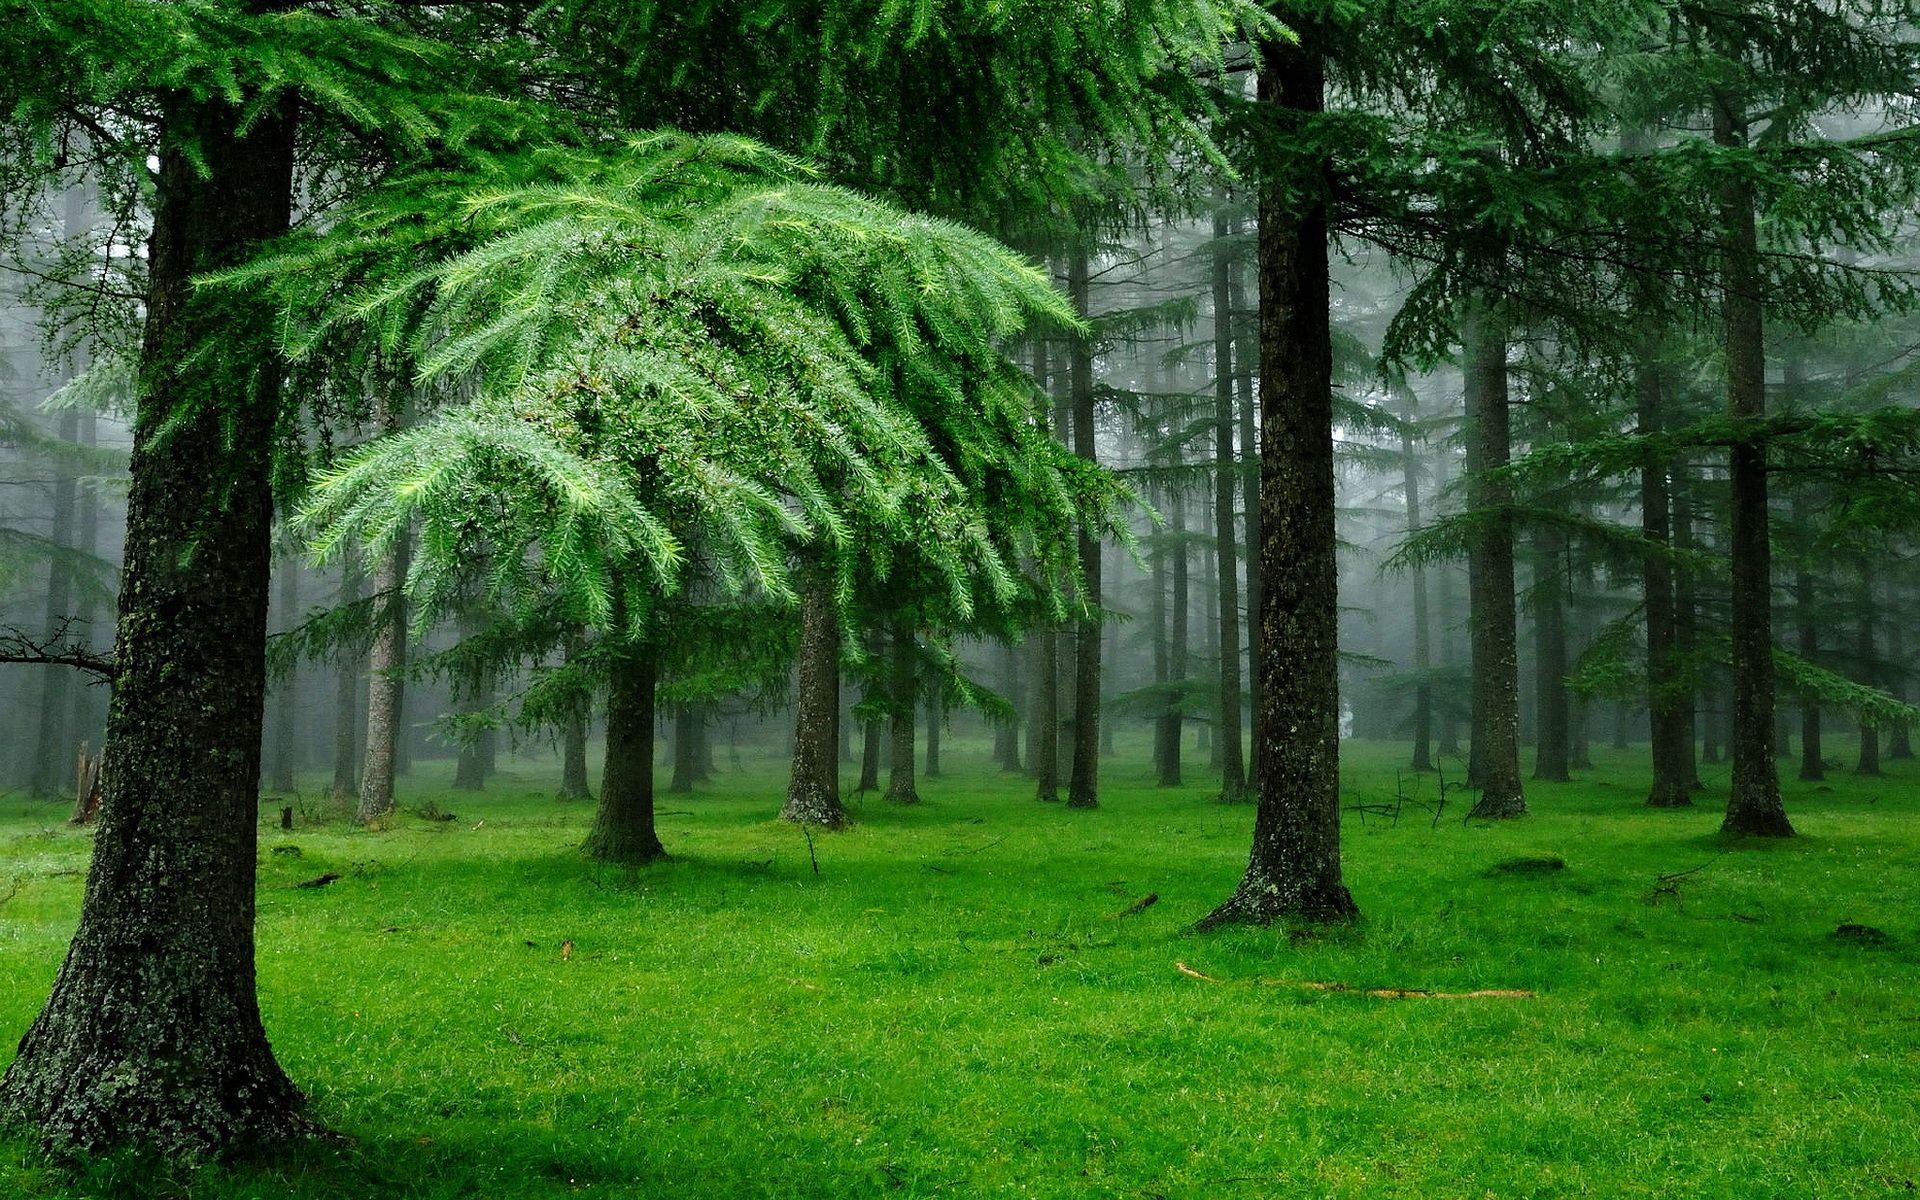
952,1007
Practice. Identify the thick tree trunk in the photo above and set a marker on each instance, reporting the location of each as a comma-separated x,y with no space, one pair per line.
1755,805
1233,771
1551,712
1422,635
1495,749
623,830
813,785
1294,868
1083,784
573,756
1669,702
152,1035
902,788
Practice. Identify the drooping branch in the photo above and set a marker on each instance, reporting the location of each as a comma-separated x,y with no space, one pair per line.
58,649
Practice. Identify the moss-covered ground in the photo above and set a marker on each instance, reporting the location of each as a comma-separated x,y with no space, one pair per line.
958,1002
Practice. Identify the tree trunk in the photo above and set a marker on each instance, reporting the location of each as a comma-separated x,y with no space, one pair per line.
1006,732
1495,750
1686,626
623,830
286,708
1233,771
1083,784
348,688
1422,636
1294,868
1900,740
904,680
1550,740
685,749
1043,744
1449,731
1245,361
1869,762
813,785
386,673
1813,766
152,1035
1755,805
1669,702
573,755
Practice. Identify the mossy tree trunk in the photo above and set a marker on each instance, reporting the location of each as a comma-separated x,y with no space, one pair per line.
813,785
1669,702
902,693
1495,749
1422,635
623,829
1293,870
1233,770
1755,805
1551,741
1083,783
152,1036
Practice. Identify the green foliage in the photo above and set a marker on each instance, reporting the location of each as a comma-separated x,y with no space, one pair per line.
677,346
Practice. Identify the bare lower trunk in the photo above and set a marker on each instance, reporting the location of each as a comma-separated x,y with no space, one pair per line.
386,679
1083,784
152,1036
1869,762
1422,636
1495,748
903,681
286,700
350,661
1293,870
1669,702
623,829
1755,805
1043,746
813,786
1233,771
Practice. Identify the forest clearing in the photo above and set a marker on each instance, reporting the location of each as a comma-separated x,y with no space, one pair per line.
960,1002
1130,597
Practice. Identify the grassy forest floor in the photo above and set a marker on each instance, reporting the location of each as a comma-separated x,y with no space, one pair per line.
958,1003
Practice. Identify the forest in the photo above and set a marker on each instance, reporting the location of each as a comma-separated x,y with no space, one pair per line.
1135,598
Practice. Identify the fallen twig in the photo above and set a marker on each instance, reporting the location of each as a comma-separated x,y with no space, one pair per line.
1141,905
1381,993
318,881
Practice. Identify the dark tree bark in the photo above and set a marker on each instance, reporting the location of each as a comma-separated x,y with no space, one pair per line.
1900,739
1813,765
1551,712
813,786
623,829
901,693
1449,721
1669,701
1179,643
1864,647
348,688
1083,784
1294,868
573,755
870,729
1422,635
1233,771
152,1035
1755,805
1686,623
1495,750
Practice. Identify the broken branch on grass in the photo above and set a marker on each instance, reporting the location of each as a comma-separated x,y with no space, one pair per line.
1381,993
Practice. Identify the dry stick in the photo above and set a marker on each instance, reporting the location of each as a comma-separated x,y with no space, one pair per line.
1383,993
